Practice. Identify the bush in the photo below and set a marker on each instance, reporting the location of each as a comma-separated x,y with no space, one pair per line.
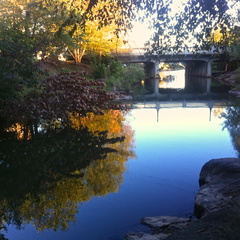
127,79
118,77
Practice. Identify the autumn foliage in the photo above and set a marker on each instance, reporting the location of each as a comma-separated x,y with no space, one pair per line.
60,95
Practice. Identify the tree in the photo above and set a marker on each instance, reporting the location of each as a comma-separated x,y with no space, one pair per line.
92,40
22,33
48,20
18,71
234,49
192,24
16,59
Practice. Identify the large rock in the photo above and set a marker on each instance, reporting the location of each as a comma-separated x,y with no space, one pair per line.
223,224
217,204
219,186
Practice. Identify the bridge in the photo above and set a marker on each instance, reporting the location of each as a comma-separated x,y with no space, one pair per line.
197,62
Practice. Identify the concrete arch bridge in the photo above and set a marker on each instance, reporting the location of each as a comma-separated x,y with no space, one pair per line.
197,63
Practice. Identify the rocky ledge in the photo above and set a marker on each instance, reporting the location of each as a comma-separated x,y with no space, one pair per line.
217,207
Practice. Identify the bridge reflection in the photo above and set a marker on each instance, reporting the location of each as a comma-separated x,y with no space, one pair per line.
158,105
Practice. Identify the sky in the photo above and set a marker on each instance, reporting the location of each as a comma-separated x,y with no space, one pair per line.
141,32
139,35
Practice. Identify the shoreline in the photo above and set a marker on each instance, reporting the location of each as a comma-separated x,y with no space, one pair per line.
217,208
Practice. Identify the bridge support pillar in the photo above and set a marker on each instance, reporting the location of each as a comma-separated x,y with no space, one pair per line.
156,77
156,85
209,69
208,85
209,76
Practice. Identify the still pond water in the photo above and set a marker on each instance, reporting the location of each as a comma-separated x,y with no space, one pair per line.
160,177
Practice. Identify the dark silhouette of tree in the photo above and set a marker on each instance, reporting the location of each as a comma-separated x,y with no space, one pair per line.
193,23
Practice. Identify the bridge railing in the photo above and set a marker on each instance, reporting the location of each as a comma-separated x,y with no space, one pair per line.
185,51
132,51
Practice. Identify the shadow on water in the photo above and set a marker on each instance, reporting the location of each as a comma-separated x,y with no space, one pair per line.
44,178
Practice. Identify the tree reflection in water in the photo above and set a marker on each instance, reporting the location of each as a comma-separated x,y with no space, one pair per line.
232,123
43,179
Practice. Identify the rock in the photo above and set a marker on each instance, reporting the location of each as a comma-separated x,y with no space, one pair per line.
229,78
166,224
223,224
220,186
161,227
234,91
145,236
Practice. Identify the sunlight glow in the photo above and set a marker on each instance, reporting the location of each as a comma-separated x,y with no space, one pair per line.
140,34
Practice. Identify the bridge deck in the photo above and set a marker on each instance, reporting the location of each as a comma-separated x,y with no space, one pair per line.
142,55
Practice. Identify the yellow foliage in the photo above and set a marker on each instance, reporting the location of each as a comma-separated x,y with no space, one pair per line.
110,121
217,112
217,35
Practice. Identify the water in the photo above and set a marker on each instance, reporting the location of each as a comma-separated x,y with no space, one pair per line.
172,79
171,145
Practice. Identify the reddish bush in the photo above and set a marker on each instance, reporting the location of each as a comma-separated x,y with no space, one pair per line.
60,95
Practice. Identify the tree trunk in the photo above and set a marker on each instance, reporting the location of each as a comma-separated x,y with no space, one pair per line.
77,55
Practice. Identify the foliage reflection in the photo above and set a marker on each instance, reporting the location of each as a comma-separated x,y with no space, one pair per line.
232,123
43,179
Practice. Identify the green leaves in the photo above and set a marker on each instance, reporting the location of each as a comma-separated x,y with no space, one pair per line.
126,79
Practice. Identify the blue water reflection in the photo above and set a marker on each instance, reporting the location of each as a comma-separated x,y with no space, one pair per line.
171,147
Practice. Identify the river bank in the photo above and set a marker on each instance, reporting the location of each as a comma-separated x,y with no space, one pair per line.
216,207
231,79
